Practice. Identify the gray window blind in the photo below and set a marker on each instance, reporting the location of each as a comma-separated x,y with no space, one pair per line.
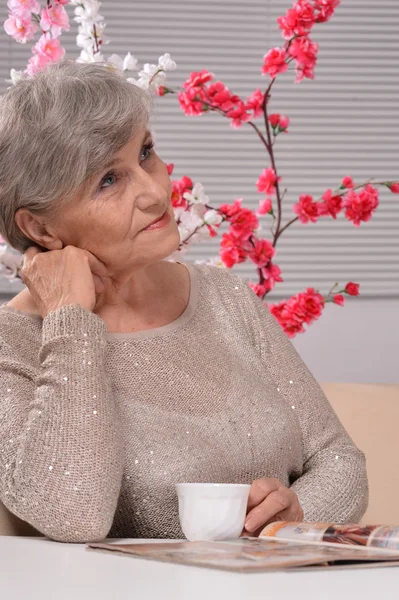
345,122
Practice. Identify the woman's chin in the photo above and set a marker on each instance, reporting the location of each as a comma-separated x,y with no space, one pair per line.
165,245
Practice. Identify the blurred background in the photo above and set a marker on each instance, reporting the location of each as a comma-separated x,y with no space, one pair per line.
345,122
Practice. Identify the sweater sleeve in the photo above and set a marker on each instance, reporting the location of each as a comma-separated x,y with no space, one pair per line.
333,486
61,458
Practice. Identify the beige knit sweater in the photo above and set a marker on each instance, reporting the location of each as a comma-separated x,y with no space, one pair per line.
96,428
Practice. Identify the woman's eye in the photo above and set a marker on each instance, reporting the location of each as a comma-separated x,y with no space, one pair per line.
147,151
109,179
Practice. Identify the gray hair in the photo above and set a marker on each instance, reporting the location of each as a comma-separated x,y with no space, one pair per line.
57,129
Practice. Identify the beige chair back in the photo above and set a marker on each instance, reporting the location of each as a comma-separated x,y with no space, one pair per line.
370,413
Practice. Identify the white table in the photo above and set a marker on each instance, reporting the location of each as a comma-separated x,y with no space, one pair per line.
38,569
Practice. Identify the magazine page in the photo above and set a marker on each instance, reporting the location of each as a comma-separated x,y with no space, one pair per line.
372,536
249,554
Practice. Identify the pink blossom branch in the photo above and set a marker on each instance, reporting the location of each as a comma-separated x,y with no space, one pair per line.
260,134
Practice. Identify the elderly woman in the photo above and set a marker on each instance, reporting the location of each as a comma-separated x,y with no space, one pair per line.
123,373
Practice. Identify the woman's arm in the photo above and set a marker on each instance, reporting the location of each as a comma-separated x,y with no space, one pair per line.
333,485
61,458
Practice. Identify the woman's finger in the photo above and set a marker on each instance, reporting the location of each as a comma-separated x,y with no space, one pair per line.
98,284
275,503
96,266
30,254
260,489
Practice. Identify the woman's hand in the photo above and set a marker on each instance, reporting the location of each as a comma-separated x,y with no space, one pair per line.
269,500
60,277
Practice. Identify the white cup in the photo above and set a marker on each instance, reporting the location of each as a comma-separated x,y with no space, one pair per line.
212,511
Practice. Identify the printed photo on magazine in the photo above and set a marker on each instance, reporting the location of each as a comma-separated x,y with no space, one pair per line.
281,545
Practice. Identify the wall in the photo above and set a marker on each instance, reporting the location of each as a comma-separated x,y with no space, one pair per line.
357,343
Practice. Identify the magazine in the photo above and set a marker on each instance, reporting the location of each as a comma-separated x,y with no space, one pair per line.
281,545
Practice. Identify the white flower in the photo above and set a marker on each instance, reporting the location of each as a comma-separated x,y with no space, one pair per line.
130,62
89,9
178,211
212,217
149,78
148,70
197,195
116,61
184,233
84,40
15,76
193,218
9,262
166,63
152,77
133,81
88,56
213,262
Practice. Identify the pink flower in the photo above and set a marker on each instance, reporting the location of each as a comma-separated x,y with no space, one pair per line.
20,28
303,308
280,121
23,8
49,47
352,289
37,63
310,305
360,207
198,79
284,313
262,252
231,252
219,95
255,102
170,168
331,205
265,207
272,275
212,231
339,299
284,122
274,62
231,210
242,221
260,289
304,50
394,187
238,115
192,101
297,21
243,224
326,9
274,119
347,182
179,187
54,18
306,209
267,181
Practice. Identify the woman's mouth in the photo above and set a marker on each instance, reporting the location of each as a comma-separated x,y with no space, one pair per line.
158,223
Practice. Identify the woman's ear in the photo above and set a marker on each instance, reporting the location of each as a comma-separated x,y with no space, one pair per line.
35,229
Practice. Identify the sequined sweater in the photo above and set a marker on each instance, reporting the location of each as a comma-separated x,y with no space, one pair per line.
96,428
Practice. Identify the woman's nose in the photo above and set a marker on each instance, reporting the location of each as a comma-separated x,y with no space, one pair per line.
150,192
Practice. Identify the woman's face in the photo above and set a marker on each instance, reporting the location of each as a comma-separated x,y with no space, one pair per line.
110,216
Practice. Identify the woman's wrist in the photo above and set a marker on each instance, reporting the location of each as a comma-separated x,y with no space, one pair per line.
73,320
